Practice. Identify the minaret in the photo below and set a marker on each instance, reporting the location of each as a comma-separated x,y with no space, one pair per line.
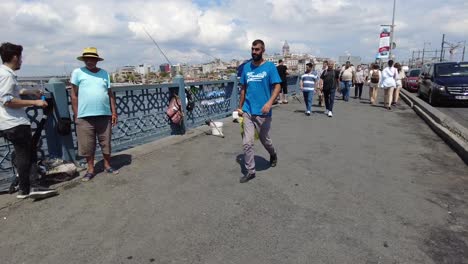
285,49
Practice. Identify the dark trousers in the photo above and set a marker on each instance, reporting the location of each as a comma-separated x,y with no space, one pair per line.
358,89
329,96
21,138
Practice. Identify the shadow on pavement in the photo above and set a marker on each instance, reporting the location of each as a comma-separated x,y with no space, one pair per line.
261,163
117,162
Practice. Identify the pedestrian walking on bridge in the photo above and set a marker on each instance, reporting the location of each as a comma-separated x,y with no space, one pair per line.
330,78
375,76
399,83
388,83
260,87
347,76
359,82
307,84
283,73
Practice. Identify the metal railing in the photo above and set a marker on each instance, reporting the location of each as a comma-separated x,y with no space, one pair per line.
142,115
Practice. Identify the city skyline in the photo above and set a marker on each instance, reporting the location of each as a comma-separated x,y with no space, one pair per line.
54,32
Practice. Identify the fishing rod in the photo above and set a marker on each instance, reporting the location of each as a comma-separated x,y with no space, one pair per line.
155,43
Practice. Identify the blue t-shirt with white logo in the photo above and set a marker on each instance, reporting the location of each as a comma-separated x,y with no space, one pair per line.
93,96
259,81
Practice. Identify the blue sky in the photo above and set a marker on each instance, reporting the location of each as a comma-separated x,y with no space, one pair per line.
54,32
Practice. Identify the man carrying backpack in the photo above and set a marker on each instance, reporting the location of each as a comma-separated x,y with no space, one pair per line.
374,80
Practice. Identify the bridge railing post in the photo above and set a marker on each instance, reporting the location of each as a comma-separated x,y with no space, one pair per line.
235,92
60,98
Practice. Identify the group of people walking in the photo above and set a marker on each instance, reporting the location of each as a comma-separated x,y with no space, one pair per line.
329,80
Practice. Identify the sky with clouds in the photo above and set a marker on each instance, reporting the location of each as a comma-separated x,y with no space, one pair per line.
54,32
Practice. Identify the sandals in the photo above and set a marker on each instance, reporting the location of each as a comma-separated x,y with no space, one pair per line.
88,176
112,171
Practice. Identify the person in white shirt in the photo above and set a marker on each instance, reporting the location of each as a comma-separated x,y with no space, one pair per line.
359,81
14,123
399,83
374,79
388,83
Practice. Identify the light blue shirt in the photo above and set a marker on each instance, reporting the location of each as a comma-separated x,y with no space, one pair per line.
259,81
93,97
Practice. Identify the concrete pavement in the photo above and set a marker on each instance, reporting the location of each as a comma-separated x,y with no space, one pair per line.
366,186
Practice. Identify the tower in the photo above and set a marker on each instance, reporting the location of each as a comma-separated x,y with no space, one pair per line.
285,49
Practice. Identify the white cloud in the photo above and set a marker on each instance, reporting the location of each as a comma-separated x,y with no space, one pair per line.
93,21
37,15
54,32
165,21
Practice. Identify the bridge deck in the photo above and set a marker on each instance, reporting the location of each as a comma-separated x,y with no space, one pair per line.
366,186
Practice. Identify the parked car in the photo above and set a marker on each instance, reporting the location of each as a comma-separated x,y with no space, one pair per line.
444,82
411,83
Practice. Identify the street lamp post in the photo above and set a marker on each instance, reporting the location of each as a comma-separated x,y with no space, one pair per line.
392,31
424,49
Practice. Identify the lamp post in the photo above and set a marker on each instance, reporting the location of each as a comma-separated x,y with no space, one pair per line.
392,31
424,49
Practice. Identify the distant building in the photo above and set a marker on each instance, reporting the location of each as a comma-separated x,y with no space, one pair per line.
175,69
355,60
127,70
144,69
165,67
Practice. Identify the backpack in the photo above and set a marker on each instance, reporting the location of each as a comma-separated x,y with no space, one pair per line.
375,78
174,110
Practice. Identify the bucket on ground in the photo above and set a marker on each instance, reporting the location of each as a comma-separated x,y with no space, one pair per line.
216,128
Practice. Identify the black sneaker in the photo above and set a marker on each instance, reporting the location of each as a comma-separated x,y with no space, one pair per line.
41,192
22,194
247,177
273,160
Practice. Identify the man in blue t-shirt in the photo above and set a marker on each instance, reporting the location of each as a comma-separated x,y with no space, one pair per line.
94,110
260,87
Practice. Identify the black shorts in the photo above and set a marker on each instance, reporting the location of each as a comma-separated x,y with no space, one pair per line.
284,87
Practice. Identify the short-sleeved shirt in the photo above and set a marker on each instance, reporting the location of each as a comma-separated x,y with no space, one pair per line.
329,79
282,72
93,96
9,89
259,81
360,76
309,80
347,74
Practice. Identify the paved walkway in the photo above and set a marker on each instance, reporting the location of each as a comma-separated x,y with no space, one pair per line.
366,186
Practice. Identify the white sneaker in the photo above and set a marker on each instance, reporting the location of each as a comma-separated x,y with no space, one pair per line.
330,114
326,112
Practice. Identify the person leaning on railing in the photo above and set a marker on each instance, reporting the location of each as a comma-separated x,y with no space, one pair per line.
14,123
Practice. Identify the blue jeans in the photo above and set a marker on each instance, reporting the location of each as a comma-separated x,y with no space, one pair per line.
346,89
308,98
329,96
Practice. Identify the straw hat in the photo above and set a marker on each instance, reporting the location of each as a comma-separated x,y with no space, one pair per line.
90,52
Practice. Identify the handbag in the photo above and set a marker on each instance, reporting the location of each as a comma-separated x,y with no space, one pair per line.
174,110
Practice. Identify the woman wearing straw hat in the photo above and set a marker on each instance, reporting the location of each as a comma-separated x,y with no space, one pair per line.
94,110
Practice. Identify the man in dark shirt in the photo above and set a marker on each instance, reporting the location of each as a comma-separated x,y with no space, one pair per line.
283,72
330,79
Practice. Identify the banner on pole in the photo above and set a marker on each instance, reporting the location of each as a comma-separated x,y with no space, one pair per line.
384,45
